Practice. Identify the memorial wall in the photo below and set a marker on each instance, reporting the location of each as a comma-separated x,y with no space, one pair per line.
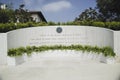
60,35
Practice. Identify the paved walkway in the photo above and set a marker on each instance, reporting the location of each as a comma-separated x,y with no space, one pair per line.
61,69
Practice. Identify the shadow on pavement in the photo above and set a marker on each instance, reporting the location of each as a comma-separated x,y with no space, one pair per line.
119,78
1,78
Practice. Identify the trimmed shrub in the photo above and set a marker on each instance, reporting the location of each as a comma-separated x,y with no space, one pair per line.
12,52
107,51
21,25
99,24
6,27
12,26
42,24
113,25
51,23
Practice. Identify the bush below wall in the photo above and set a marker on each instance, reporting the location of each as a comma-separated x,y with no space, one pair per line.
107,51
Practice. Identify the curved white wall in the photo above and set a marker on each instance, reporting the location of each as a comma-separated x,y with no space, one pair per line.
117,42
47,35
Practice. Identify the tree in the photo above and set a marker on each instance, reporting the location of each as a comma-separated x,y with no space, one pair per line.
22,15
10,15
88,15
109,10
6,16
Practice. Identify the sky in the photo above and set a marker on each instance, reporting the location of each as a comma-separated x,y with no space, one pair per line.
55,10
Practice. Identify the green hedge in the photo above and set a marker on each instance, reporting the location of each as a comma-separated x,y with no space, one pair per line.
12,26
107,51
98,24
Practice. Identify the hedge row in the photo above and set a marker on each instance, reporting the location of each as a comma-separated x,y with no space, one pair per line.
107,51
12,26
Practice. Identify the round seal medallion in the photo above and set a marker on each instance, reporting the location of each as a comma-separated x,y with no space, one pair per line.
59,30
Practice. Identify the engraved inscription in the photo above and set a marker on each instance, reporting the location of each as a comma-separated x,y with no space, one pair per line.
41,39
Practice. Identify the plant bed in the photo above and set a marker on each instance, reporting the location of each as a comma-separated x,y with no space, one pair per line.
106,51
24,54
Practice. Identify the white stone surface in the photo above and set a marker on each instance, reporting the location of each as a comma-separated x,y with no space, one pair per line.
117,42
38,36
59,55
3,48
47,35
110,60
54,70
100,37
13,61
60,65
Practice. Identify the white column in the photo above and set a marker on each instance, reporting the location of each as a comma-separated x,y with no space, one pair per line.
3,48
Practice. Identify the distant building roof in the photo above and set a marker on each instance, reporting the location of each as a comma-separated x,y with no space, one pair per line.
39,14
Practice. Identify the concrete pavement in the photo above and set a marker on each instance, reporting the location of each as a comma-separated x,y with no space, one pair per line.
61,69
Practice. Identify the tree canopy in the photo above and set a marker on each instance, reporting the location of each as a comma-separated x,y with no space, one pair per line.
22,14
6,16
109,9
88,14
105,10
9,15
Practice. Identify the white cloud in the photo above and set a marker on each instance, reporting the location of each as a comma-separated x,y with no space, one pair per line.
28,2
57,6
33,4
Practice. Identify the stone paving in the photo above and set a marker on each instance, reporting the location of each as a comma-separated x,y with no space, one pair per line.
61,69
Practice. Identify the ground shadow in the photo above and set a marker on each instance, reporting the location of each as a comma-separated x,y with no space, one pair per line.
119,78
1,78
